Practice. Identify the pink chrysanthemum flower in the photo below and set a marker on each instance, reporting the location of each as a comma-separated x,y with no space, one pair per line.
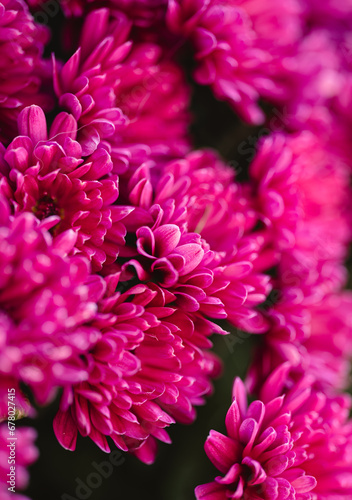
47,176
44,305
314,334
25,454
152,364
293,444
22,43
123,93
199,194
316,76
239,47
302,192
148,370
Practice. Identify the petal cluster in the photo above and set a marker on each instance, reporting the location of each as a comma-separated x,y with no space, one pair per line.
239,47
303,196
152,365
148,370
44,303
122,249
292,443
46,175
22,67
123,93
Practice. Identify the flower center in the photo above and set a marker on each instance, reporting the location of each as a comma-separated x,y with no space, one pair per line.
46,207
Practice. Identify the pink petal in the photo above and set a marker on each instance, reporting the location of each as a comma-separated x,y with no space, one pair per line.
221,450
210,491
167,238
65,430
233,420
32,123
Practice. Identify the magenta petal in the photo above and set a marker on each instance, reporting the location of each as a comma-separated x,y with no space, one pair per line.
167,238
64,125
32,123
145,241
210,491
276,465
256,410
304,484
206,40
264,441
232,476
238,494
273,385
192,254
247,433
258,474
71,102
221,450
69,70
239,393
238,270
233,420
99,439
147,452
166,273
271,488
65,430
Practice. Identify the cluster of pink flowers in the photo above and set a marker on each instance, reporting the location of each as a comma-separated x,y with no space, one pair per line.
25,453
123,248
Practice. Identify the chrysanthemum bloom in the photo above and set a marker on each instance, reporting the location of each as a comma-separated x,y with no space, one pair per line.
45,301
152,364
313,333
303,195
22,43
302,192
317,78
292,444
317,73
323,98
149,369
176,230
47,176
123,93
327,351
25,454
239,46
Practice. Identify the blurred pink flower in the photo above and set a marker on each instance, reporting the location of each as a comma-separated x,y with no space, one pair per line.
302,193
22,68
26,453
314,334
240,47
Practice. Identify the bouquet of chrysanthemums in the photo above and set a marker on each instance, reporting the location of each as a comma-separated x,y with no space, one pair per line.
175,210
